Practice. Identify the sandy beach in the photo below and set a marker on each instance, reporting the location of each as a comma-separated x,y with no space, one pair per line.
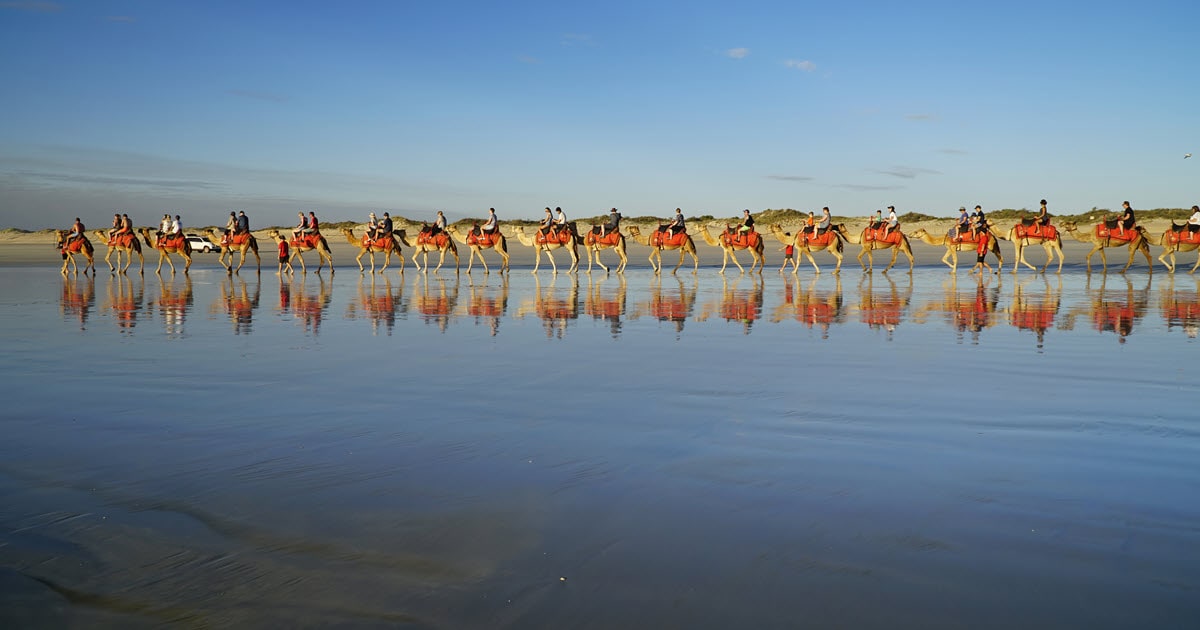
37,247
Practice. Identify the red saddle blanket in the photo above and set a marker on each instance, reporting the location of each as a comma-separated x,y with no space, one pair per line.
560,237
307,241
236,240
483,239
1184,236
876,234
741,239
383,242
662,238
965,238
1103,231
176,241
612,238
820,240
75,245
439,241
122,240
1048,232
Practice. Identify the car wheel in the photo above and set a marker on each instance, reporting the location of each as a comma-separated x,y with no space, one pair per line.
206,250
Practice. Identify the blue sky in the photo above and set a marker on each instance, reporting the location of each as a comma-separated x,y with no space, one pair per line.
152,106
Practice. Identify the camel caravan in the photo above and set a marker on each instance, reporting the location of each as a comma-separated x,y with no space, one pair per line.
555,235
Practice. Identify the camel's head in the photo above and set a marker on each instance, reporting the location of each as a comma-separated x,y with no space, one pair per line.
1070,226
920,232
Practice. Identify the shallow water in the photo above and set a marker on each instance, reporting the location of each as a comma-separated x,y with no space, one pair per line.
694,451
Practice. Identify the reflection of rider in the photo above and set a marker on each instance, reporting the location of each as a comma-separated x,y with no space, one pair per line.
1127,221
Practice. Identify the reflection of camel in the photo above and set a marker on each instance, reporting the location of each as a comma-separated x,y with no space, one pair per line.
881,311
594,245
743,306
80,246
310,308
127,244
248,244
1181,309
307,243
804,248
125,301
685,246
554,310
609,308
488,308
571,246
729,249
387,245
1050,239
1137,244
424,243
674,306
968,312
237,302
1111,311
499,245
378,304
1034,312
950,258
438,306
812,306
1173,241
866,239
167,246
77,298
174,304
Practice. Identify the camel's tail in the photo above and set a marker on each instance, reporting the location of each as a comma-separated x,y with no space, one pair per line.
137,244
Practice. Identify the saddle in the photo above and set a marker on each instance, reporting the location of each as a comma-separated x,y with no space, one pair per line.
1111,223
122,240
477,237
561,237
426,237
662,236
612,238
735,238
172,240
1104,230
1027,221
308,241
380,242
876,234
1047,231
239,238
818,236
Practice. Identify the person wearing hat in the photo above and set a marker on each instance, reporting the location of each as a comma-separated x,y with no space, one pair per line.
164,226
964,222
372,227
614,222
892,222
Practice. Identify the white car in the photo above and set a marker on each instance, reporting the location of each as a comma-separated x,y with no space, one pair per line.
201,244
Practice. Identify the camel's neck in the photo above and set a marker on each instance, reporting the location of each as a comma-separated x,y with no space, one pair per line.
930,239
708,237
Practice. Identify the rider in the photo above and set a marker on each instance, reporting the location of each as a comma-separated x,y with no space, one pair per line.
1194,220
492,223
385,227
809,230
116,226
677,224
547,221
301,226
964,222
312,224
892,222
560,219
825,222
876,221
1042,217
243,223
75,233
231,224
126,225
439,224
614,222
978,222
747,225
372,227
1127,221
176,227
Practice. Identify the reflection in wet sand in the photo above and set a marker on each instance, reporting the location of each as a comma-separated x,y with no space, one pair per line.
125,300
1114,310
744,305
377,303
78,298
1035,310
966,312
237,302
883,310
552,307
310,300
488,304
608,306
812,307
674,304
1180,305
436,300
174,302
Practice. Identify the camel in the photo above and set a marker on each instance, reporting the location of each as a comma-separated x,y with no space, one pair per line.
805,248
1104,239
1049,238
80,246
950,258
685,246
249,243
729,249
869,240
477,246
571,246
387,245
425,244
595,244
309,242
168,246
127,244
1178,240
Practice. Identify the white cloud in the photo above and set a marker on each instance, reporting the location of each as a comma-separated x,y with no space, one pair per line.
908,172
580,39
737,53
806,66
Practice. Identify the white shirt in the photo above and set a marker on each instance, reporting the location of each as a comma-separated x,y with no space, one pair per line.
561,218
1195,218
176,226
165,226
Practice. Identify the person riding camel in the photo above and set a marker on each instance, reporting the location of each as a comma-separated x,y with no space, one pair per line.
1127,220
614,222
825,222
116,227
746,227
1194,220
560,220
372,227
439,224
75,233
492,224
301,226
1042,218
243,223
126,225
677,224
892,222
